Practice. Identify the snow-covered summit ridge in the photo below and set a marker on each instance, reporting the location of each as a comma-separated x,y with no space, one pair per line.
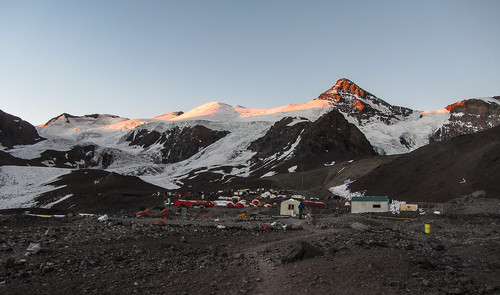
212,111
217,111
390,129
83,122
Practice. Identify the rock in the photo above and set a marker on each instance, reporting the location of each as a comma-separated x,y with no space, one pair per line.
239,256
455,291
437,246
359,226
300,251
425,264
464,280
34,248
103,218
10,262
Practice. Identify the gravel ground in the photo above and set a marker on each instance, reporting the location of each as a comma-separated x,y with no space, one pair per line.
260,254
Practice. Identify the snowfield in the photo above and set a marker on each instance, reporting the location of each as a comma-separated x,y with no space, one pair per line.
19,186
245,125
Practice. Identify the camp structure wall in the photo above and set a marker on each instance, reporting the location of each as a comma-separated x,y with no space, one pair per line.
369,204
290,207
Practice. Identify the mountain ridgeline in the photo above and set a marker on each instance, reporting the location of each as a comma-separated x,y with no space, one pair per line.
219,146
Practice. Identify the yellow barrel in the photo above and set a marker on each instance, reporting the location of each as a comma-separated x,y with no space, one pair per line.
427,228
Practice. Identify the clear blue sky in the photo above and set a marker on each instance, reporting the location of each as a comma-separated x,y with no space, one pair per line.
139,59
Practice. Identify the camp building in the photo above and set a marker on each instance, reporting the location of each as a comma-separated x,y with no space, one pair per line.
290,207
369,204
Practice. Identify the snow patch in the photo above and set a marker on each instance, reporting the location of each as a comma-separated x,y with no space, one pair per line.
344,192
268,174
49,205
19,186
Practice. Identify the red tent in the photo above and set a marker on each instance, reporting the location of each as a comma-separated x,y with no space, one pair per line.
144,213
239,205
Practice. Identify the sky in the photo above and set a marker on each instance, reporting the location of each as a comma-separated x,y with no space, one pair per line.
139,59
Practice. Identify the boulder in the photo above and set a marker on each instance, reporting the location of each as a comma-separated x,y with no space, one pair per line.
300,251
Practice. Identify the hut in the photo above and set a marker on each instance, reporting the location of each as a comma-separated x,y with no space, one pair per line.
369,204
290,207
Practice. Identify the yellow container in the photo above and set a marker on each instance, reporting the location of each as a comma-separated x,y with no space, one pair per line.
427,228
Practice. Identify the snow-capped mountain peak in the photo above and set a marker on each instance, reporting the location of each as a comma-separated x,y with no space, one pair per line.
83,122
212,111
216,142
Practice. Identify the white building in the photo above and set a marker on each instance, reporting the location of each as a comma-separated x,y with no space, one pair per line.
369,204
290,207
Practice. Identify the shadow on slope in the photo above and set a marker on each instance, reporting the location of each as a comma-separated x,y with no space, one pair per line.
440,171
98,191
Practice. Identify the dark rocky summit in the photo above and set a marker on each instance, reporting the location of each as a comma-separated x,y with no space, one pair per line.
15,131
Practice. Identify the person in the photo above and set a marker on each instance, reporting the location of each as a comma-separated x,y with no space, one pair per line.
183,211
301,210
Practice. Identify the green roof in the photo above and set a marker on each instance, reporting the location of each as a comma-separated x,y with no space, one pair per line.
370,199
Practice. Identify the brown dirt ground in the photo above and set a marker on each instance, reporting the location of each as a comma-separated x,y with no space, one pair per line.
362,254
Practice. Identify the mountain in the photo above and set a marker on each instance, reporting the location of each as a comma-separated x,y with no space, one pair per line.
15,131
218,145
364,107
439,171
469,116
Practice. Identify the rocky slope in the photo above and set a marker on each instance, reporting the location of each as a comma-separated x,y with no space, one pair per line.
361,105
178,144
308,145
15,131
440,171
469,116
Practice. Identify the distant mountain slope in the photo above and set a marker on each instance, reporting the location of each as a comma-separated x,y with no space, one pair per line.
219,145
98,191
397,130
440,171
469,116
300,144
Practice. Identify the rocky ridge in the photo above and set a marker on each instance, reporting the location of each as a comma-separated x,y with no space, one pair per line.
355,102
15,131
469,116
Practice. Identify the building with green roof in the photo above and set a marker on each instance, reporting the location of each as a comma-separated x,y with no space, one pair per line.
369,204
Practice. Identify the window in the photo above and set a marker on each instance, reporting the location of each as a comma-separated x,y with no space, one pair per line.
291,206
376,205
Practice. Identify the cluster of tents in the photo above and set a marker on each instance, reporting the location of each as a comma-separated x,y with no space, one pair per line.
221,203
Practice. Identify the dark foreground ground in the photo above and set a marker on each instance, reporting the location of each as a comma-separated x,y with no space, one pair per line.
344,254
